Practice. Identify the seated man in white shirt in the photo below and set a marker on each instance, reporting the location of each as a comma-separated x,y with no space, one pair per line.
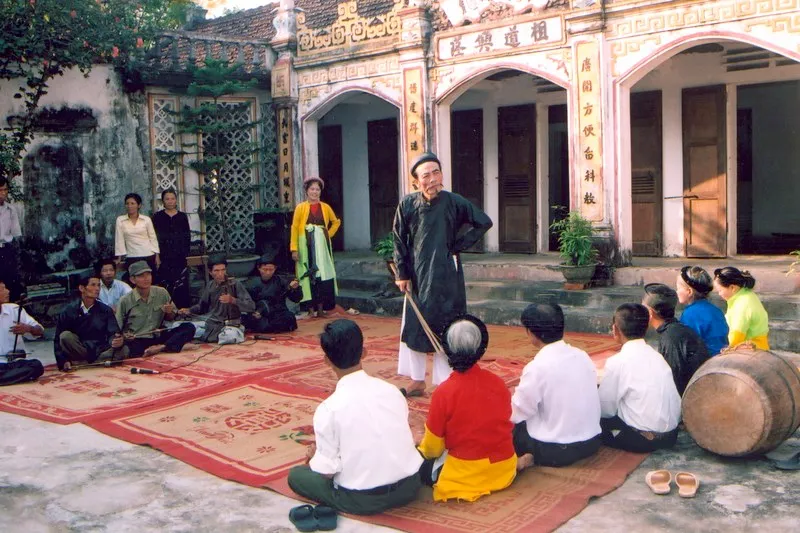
555,407
364,460
16,323
111,289
640,405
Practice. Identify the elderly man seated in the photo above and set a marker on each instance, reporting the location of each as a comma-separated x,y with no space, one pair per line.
269,292
364,461
640,405
141,315
111,289
555,407
15,323
86,330
224,299
468,441
681,346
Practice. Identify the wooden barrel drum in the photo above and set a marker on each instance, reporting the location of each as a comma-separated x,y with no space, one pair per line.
743,402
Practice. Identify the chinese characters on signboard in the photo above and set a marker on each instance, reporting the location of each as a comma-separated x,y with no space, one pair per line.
286,178
522,35
414,109
590,138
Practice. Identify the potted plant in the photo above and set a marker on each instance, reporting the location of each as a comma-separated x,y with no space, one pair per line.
384,247
576,249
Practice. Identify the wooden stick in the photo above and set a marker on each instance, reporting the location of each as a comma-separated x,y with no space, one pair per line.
434,340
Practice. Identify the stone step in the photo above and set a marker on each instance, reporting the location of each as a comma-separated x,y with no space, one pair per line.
784,333
778,306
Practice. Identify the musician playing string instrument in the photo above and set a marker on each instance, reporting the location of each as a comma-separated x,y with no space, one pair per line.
86,329
223,298
141,314
269,292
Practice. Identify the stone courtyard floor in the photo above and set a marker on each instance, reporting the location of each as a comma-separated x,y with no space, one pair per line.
56,478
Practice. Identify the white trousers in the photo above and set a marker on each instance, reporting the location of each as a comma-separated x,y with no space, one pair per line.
413,364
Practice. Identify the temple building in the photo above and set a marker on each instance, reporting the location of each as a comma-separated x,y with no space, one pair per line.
671,125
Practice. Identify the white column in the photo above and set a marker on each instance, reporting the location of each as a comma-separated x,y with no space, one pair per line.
732,166
443,145
542,177
491,174
622,181
672,180
310,143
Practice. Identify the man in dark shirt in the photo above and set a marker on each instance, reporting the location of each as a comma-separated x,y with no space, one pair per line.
680,345
269,292
87,329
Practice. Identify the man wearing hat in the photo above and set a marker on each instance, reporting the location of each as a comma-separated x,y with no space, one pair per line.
681,347
269,292
224,300
426,253
141,314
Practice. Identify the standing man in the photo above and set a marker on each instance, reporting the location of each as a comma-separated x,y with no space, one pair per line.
87,330
141,314
269,292
9,231
224,299
16,323
111,289
426,253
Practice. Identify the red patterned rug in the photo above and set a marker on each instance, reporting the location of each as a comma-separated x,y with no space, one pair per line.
244,412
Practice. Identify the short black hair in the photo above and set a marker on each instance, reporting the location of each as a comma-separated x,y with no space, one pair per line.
545,321
168,191
342,342
308,181
632,320
661,299
733,276
134,196
84,280
3,181
103,262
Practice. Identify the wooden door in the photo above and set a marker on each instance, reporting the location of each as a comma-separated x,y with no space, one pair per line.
517,163
330,170
704,175
466,141
382,153
646,181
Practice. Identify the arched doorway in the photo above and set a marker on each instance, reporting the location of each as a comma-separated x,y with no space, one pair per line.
357,153
714,162
504,134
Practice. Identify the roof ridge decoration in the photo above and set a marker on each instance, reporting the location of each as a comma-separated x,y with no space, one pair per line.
349,29
460,12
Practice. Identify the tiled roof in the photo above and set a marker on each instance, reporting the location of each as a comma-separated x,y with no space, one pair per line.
253,23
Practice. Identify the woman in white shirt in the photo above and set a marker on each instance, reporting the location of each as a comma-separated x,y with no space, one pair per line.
134,238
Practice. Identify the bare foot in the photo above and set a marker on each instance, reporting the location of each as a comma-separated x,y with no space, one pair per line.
153,350
524,461
417,388
67,367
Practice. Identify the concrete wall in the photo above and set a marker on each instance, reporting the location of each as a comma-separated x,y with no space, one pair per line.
114,159
776,156
353,118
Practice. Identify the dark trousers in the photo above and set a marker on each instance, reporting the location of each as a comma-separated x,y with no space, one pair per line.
275,323
20,371
174,276
634,440
9,270
319,488
173,340
551,453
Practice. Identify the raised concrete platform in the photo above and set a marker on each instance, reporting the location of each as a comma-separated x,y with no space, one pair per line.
499,287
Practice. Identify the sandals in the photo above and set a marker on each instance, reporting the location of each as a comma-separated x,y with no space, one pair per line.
308,518
411,393
659,482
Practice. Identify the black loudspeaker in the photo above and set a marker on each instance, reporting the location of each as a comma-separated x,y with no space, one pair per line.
272,232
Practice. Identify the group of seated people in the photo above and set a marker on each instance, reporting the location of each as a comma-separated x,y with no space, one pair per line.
479,436
111,321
